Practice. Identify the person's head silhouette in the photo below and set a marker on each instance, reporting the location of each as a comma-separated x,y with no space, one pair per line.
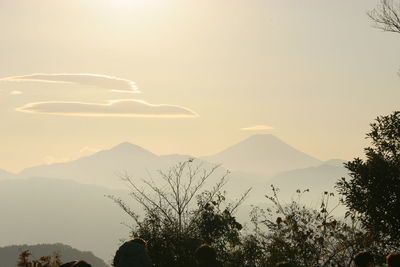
364,259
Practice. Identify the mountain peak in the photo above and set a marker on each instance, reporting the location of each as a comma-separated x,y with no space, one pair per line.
127,147
259,142
263,138
263,154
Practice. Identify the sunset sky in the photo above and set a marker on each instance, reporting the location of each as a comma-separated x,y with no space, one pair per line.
190,77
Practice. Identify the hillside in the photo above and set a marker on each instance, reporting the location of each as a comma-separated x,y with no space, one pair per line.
5,174
43,210
9,254
318,179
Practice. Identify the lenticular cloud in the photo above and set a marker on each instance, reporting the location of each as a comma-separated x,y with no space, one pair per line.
97,80
114,108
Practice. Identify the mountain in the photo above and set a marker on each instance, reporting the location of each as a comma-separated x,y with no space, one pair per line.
55,209
318,179
253,161
9,255
335,162
263,154
44,210
105,167
5,174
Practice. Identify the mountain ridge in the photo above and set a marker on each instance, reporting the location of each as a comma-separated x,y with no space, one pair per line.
263,154
9,254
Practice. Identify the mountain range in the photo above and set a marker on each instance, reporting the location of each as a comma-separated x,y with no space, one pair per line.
258,155
104,167
38,201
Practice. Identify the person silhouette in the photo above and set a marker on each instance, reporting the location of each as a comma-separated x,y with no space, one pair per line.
393,259
132,253
80,263
206,256
364,259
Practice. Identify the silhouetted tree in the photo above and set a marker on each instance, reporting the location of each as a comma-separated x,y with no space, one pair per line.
387,16
304,236
23,259
373,191
179,216
44,261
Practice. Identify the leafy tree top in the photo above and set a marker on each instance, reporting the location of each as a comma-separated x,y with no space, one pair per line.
373,190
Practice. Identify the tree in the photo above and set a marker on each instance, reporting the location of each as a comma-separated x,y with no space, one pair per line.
373,191
180,215
44,261
305,236
386,16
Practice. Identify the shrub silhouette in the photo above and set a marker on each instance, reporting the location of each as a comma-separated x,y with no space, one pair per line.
44,261
179,216
373,190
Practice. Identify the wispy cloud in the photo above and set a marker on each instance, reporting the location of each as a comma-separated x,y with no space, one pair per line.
15,92
48,160
89,150
114,108
97,80
258,128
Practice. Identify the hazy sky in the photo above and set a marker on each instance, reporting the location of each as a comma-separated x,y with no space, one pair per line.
186,76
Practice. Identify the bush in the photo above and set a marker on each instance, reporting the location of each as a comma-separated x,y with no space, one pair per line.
179,217
44,261
304,236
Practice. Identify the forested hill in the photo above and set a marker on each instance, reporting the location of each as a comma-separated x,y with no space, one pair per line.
9,255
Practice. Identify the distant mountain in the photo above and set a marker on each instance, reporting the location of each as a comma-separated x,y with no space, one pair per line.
253,161
263,154
5,174
335,162
43,210
9,255
105,167
55,209
317,179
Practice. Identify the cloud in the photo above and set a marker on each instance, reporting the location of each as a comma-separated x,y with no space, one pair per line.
114,108
48,160
89,150
258,128
15,92
97,80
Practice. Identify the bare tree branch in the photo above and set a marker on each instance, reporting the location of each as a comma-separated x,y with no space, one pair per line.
386,16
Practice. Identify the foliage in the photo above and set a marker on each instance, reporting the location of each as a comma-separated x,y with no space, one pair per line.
179,217
374,188
44,261
304,236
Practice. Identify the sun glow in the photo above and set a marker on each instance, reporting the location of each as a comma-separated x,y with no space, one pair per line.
123,4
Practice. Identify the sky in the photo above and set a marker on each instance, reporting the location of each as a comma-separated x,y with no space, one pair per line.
190,77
